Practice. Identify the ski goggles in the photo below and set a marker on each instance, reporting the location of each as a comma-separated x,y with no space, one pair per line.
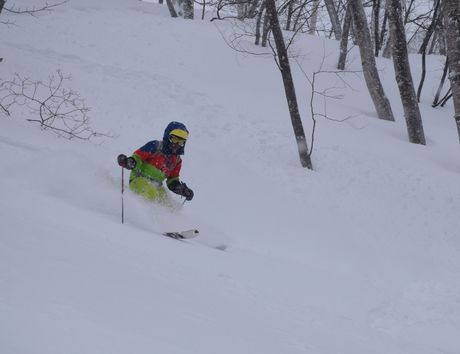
177,140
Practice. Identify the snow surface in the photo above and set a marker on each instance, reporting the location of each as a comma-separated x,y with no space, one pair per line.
360,256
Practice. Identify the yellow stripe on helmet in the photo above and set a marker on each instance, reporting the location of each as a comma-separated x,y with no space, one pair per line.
179,133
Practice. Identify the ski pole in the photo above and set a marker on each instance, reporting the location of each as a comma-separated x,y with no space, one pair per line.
122,195
180,206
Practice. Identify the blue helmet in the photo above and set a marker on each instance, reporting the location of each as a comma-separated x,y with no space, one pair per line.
178,130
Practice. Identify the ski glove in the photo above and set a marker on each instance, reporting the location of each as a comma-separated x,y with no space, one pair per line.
126,162
181,189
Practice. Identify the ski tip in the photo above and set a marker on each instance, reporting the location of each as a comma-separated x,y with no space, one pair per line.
194,232
189,233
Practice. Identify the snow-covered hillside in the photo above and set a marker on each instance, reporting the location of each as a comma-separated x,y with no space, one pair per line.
360,256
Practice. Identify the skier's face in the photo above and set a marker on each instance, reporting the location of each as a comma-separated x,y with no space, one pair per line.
177,143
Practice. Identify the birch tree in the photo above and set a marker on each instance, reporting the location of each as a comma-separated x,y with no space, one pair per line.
452,23
403,74
371,75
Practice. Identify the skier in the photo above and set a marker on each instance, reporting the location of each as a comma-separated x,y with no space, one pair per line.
157,161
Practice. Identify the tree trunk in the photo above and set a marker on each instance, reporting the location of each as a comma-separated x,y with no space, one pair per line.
331,10
188,7
446,97
441,84
376,19
241,8
259,23
383,32
252,11
403,74
371,75
434,41
422,78
424,46
265,27
452,24
172,10
344,40
283,62
387,49
2,3
289,15
313,17
441,37
430,30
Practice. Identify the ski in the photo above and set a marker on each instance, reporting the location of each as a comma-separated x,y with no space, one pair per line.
182,235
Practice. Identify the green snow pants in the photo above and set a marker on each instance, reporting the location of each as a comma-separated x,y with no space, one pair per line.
150,191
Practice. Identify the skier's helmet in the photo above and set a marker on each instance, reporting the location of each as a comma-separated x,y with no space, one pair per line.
174,138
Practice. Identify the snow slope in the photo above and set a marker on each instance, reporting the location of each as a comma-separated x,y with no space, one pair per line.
360,256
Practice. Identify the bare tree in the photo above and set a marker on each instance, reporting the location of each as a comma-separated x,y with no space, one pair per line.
2,4
188,8
259,23
290,13
30,11
376,25
284,66
265,27
241,9
383,35
440,35
314,17
371,75
403,74
344,39
326,94
185,8
172,10
452,23
335,22
441,84
423,47
387,47
53,106
417,18
431,28
252,8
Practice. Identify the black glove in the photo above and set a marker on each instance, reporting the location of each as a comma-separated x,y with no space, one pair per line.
126,162
181,189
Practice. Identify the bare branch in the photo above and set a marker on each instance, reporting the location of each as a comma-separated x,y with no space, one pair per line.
33,11
235,42
59,109
325,94
4,110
